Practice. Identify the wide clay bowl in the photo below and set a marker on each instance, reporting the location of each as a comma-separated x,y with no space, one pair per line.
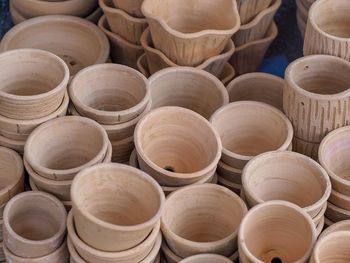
77,41
339,226
206,258
257,128
132,7
187,39
276,231
34,224
248,9
132,205
176,146
202,219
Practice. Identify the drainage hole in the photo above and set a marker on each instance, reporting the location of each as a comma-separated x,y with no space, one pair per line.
276,260
169,168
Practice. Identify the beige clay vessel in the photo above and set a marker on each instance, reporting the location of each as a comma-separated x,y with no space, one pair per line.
229,173
340,226
234,187
340,200
206,258
248,9
15,145
132,7
336,214
227,74
307,148
142,65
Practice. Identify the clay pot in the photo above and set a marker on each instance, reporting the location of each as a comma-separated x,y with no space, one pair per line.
328,222
227,74
95,16
229,173
320,226
15,145
180,86
340,200
40,212
339,226
122,150
336,214
276,231
234,187
187,39
211,207
302,10
142,65
117,225
248,57
306,148
2,254
256,86
74,256
257,128
206,258
132,7
248,9
51,33
301,25
327,30
176,146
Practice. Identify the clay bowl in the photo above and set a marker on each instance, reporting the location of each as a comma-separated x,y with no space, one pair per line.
116,225
109,93
128,27
227,74
248,9
327,30
193,209
257,28
187,39
40,212
289,176
339,226
308,98
176,87
132,7
229,173
122,51
307,148
258,128
340,200
206,258
176,146
157,60
80,46
33,83
336,214
276,231
334,156
248,57
15,145
234,187
256,86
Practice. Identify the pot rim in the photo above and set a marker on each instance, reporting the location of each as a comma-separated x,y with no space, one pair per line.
337,209
335,228
114,10
142,65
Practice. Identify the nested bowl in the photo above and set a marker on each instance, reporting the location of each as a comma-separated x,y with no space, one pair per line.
336,213
206,258
340,200
15,145
132,7
248,9
229,173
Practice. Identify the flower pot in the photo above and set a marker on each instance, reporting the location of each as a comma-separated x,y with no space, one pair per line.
248,9
74,256
257,128
15,145
206,258
276,231
122,150
95,16
176,146
302,10
328,222
234,187
256,86
301,25
339,226
187,39
116,225
181,86
320,226
229,173
336,214
227,74
142,65
132,7
340,200
306,148
51,33
211,207
320,216
2,254
40,212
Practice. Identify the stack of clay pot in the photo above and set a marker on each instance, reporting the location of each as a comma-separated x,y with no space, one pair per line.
58,149
117,97
32,92
303,7
123,23
116,216
247,129
255,35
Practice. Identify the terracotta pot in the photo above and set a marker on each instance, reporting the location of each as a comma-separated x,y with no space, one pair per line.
43,214
301,25
206,258
336,214
122,150
190,210
248,9
187,156
257,128
320,226
132,7
234,187
157,60
328,222
327,30
189,40
51,33
340,200
15,145
227,74
112,227
320,216
302,10
180,86
276,231
74,256
142,65
128,27
306,148
95,16
339,226
256,86
2,254
229,173
248,57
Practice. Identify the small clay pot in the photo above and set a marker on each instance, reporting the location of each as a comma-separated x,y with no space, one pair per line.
258,128
227,74
336,214
229,173
117,225
234,187
40,212
306,148
132,7
187,39
340,200
248,9
206,258
339,226
15,145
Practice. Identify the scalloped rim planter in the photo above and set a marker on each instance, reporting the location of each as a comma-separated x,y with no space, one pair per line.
336,214
206,258
339,226
132,7
229,173
249,9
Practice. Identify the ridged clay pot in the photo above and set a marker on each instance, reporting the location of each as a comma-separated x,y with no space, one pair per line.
33,83
80,46
336,214
206,258
176,146
276,231
327,30
258,128
34,224
340,226
208,207
15,145
229,173
181,86
117,225
307,148
248,9
317,105
132,7
257,86
187,39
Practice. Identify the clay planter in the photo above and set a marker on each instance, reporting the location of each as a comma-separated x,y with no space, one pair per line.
206,258
2,254
227,74
181,86
256,86
109,93
340,200
257,128
236,188
187,39
117,225
302,10
328,222
211,207
132,7
336,214
142,65
306,148
122,150
74,256
229,173
301,25
62,35
248,9
128,27
340,226
176,146
15,145
43,214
